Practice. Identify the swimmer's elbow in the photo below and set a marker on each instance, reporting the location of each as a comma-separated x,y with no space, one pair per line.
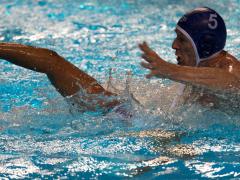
52,56
49,61
49,52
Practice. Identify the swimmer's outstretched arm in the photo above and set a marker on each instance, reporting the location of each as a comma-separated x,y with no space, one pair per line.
215,79
64,76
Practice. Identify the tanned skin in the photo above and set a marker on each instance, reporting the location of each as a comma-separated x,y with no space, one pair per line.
64,76
220,73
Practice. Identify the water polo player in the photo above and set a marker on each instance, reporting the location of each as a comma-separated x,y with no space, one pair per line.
203,65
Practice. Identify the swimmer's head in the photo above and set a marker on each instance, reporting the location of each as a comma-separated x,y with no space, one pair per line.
206,31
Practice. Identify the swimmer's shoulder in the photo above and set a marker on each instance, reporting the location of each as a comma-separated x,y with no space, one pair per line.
229,61
231,64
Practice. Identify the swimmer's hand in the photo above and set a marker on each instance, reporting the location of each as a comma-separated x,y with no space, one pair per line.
217,80
157,66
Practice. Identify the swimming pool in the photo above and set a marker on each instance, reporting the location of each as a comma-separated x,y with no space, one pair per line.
41,138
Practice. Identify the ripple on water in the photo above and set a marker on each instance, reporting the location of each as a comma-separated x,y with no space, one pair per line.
41,138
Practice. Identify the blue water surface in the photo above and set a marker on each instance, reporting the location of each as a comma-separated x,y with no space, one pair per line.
40,137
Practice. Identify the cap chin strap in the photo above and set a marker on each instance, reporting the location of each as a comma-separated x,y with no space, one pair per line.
198,60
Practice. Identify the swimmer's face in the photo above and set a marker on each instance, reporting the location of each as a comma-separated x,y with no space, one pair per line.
184,50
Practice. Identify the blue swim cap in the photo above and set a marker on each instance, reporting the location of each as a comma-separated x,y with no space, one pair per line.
206,30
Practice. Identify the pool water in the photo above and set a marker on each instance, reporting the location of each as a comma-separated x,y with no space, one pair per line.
41,137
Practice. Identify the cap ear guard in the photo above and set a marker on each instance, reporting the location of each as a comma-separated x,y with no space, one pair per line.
207,45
